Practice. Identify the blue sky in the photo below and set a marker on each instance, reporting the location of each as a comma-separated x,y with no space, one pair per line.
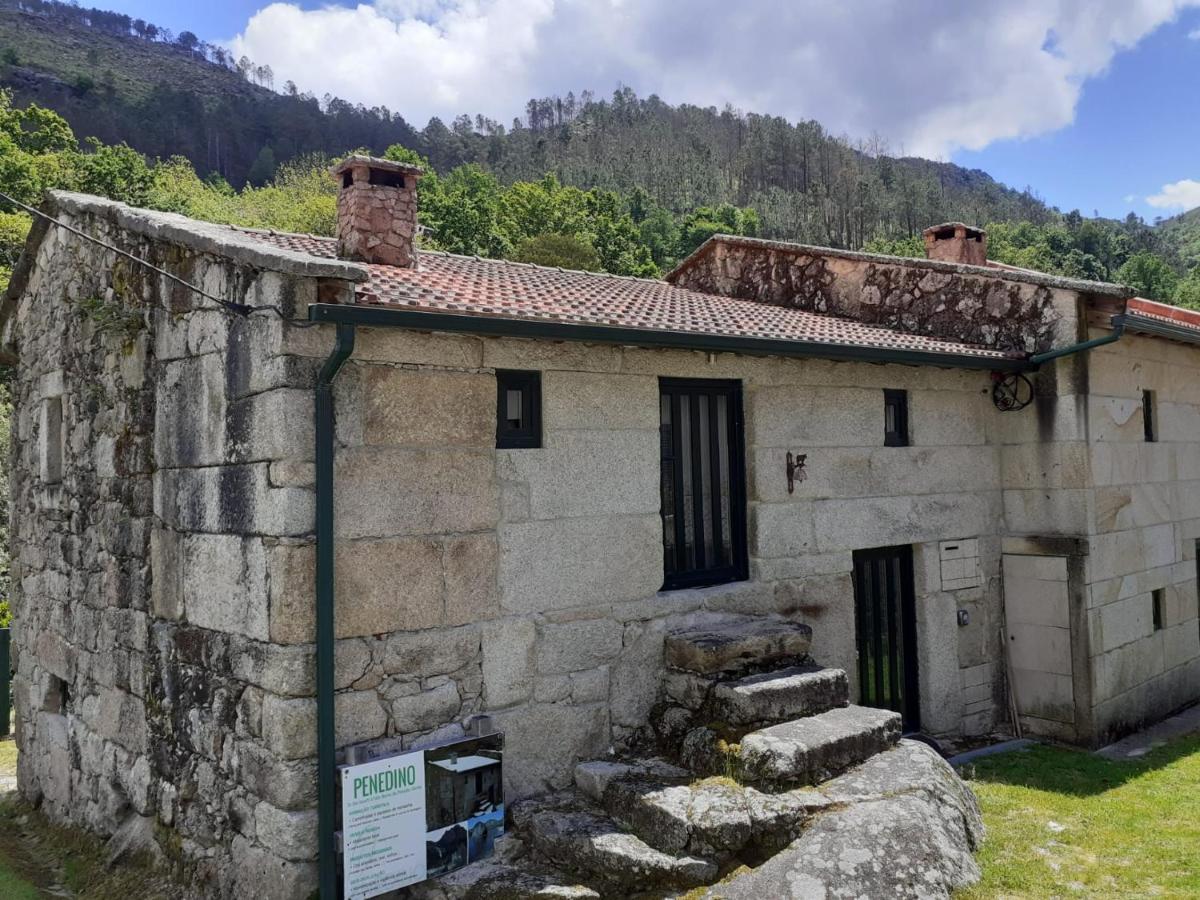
1093,103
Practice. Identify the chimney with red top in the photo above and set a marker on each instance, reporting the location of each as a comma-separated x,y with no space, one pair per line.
957,243
377,210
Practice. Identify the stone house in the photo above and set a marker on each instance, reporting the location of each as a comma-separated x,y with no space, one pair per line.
392,496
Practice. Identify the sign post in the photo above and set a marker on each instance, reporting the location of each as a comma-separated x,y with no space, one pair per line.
383,825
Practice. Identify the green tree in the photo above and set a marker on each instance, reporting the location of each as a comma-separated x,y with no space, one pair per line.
563,250
1149,275
114,170
263,169
462,212
1187,292
401,154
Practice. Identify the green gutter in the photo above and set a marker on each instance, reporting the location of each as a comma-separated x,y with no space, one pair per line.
1118,329
326,736
399,317
1159,328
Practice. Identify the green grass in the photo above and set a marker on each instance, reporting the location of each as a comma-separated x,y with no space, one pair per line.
1066,823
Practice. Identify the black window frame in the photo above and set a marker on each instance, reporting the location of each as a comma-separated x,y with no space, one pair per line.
676,573
1150,417
529,383
896,400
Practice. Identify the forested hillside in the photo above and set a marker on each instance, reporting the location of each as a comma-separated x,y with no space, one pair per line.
622,183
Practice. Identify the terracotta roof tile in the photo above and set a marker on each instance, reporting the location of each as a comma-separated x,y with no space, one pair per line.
444,282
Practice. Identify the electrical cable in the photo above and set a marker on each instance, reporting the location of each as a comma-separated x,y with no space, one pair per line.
240,309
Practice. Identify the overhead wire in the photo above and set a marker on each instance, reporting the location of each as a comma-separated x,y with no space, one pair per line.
241,309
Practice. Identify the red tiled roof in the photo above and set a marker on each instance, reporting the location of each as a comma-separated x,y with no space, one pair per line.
468,285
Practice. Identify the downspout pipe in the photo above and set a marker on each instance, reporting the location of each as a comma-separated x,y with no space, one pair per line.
1118,329
326,736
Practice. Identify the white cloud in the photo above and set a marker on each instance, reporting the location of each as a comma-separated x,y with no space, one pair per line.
930,77
1183,194
1194,35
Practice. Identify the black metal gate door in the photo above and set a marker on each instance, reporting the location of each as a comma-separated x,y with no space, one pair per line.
886,626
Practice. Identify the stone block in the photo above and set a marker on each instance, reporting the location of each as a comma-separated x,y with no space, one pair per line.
831,417
289,834
469,571
1124,621
781,529
292,591
275,424
437,651
571,356
735,645
601,402
224,584
259,873
880,522
612,559
941,418
509,669
386,491
359,716
235,499
285,784
426,710
576,646
622,474
1181,644
289,726
1127,667
636,674
388,585
813,749
189,426
1048,512
405,407
542,743
289,670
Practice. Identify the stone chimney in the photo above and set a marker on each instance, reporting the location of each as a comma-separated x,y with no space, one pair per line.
377,210
957,243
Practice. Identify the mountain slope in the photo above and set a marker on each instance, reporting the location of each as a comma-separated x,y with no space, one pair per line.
1183,233
166,98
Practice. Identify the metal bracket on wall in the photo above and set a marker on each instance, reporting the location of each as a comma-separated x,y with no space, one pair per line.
795,470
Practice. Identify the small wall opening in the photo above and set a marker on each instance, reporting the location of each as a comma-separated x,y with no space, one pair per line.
347,179
384,178
51,449
56,696
1157,601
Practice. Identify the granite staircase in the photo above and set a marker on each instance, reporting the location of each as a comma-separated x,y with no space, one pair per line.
747,726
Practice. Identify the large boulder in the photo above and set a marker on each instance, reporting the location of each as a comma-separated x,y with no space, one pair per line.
901,825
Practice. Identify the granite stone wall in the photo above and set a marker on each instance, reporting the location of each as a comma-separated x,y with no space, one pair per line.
937,299
1146,497
161,467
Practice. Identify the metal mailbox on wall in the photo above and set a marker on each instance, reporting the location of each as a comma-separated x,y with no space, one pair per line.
418,815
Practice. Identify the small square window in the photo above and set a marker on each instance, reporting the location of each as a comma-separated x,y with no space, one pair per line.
1157,600
895,418
1149,416
518,409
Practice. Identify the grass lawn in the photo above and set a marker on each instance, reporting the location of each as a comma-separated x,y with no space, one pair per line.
1065,823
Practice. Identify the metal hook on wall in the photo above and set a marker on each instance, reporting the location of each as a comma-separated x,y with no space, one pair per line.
795,470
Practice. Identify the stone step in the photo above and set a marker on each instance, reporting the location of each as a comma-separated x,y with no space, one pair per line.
594,776
737,645
813,749
581,838
710,817
780,696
